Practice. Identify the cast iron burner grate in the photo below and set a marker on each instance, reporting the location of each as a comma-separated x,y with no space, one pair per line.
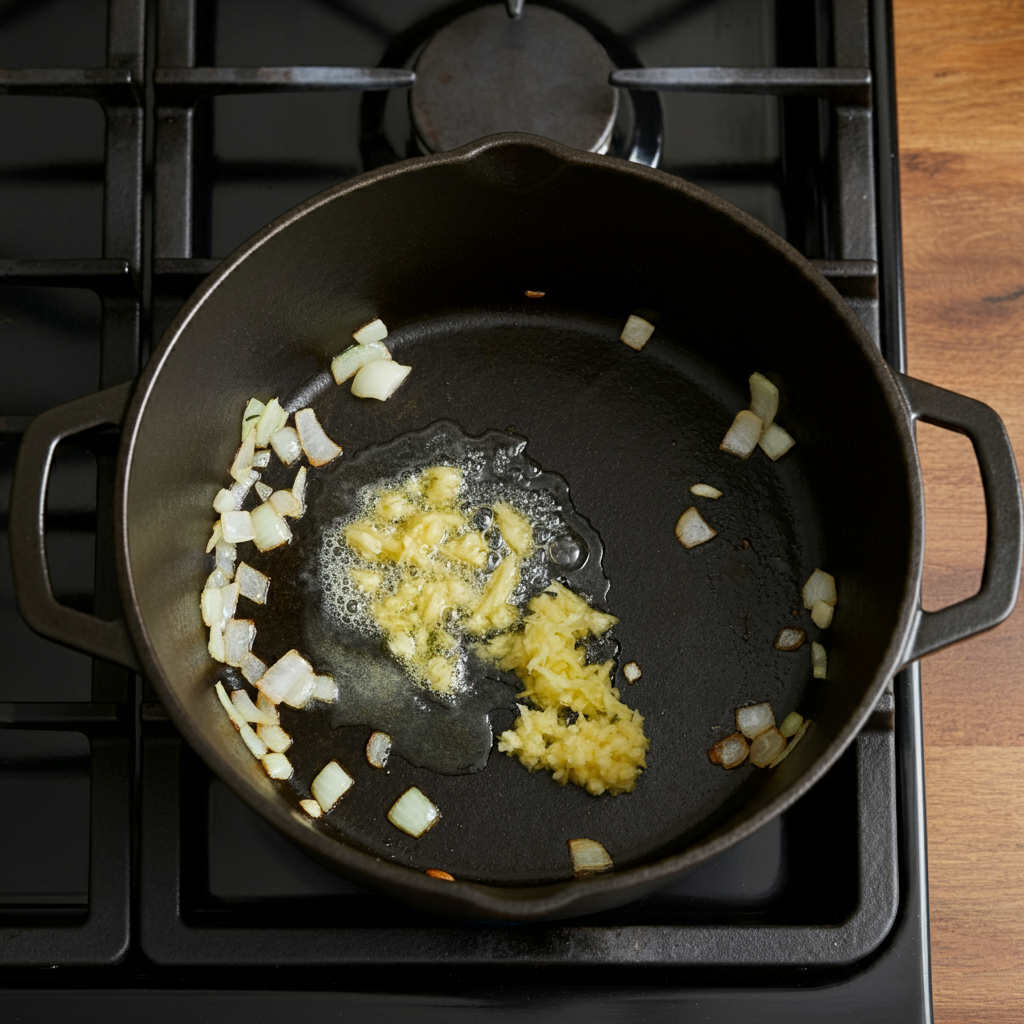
154,884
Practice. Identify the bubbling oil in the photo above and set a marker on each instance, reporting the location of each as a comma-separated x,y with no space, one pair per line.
446,729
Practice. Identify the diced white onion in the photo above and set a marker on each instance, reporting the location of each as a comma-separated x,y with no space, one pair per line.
330,785
287,673
251,416
267,706
263,490
245,707
225,558
285,443
742,437
636,332
692,530
766,747
632,672
790,638
216,642
379,379
240,488
215,536
319,448
731,751
256,746
821,614
275,737
325,689
705,491
378,747
413,813
236,527
820,586
311,807
819,661
242,465
764,399
588,857
301,693
286,504
228,601
261,459
217,579
373,331
790,724
252,583
299,486
269,528
272,420
210,606
753,719
798,736
354,358
775,442
239,635
252,667
277,765
225,501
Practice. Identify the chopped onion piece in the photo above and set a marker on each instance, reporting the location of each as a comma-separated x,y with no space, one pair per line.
792,743
288,673
215,536
705,491
285,443
263,490
790,638
252,667
379,379
821,614
355,357
256,746
252,583
692,530
325,689
742,437
631,672
261,460
236,527
378,747
239,635
225,558
775,442
286,504
588,857
225,501
319,448
228,601
272,420
437,872
217,579
277,765
730,751
299,486
216,643
819,587
413,813
753,719
766,747
251,416
210,606
242,465
267,706
269,528
301,694
764,399
275,737
636,332
790,724
245,707
373,331
819,661
311,807
330,785
240,488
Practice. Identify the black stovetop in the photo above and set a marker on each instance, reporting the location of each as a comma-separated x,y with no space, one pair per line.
133,881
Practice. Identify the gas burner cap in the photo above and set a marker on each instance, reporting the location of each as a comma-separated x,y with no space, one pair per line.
485,72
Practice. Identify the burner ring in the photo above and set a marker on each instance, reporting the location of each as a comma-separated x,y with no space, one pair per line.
485,73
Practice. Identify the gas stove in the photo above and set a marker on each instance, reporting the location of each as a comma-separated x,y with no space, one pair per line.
144,142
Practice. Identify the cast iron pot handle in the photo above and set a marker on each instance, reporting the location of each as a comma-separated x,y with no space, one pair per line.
41,610
1001,575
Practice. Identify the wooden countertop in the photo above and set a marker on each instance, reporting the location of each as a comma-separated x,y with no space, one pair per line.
960,95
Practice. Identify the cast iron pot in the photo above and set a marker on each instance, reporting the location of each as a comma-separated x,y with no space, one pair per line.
443,249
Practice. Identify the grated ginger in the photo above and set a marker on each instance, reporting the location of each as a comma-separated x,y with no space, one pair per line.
603,749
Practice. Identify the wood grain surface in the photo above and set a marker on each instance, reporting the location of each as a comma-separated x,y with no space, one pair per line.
960,95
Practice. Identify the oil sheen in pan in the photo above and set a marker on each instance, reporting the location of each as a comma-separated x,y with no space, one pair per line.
447,733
